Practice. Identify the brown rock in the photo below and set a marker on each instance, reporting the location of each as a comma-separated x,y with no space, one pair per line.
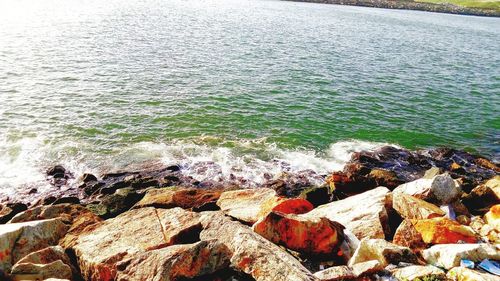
55,269
67,212
384,252
10,210
410,207
335,273
175,262
19,239
492,218
190,198
131,233
482,197
369,221
406,235
82,223
444,231
310,236
252,253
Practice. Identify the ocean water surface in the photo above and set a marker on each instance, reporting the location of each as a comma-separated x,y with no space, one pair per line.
254,86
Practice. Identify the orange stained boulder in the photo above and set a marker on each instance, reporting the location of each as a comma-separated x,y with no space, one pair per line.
443,231
285,206
311,236
493,217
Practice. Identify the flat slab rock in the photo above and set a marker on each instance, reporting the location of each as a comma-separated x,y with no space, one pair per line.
366,221
449,255
382,251
253,254
133,232
19,239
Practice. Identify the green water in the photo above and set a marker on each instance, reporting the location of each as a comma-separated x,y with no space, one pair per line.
109,83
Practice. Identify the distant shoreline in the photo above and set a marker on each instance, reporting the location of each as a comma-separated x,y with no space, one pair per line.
410,5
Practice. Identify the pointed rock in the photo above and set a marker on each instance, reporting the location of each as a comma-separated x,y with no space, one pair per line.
410,207
384,252
19,239
310,236
369,221
175,262
252,253
449,255
444,231
441,189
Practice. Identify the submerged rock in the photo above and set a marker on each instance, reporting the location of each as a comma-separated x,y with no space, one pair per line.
252,253
449,255
310,236
369,220
19,239
382,251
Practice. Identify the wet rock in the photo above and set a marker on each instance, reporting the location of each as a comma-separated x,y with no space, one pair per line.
50,262
407,236
191,198
482,197
19,239
112,205
384,252
369,221
335,273
316,195
419,272
444,231
8,211
441,189
176,262
310,236
133,232
248,205
449,255
252,253
88,178
291,185
466,274
410,207
58,169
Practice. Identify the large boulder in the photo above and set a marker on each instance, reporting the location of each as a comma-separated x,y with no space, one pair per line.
466,274
19,239
441,189
410,207
133,232
483,196
175,262
370,221
252,253
384,252
50,262
449,255
249,205
419,272
310,236
444,231
190,198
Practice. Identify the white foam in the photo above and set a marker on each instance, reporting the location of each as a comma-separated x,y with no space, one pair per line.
23,162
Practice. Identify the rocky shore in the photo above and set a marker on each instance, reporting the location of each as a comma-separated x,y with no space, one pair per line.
391,214
411,5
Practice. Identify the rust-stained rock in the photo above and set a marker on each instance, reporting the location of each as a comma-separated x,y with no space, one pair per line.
419,272
441,189
366,220
449,255
175,262
444,231
249,205
131,233
45,256
82,223
252,253
406,235
492,218
466,274
335,273
483,196
67,212
189,198
19,239
310,236
55,269
410,207
384,252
